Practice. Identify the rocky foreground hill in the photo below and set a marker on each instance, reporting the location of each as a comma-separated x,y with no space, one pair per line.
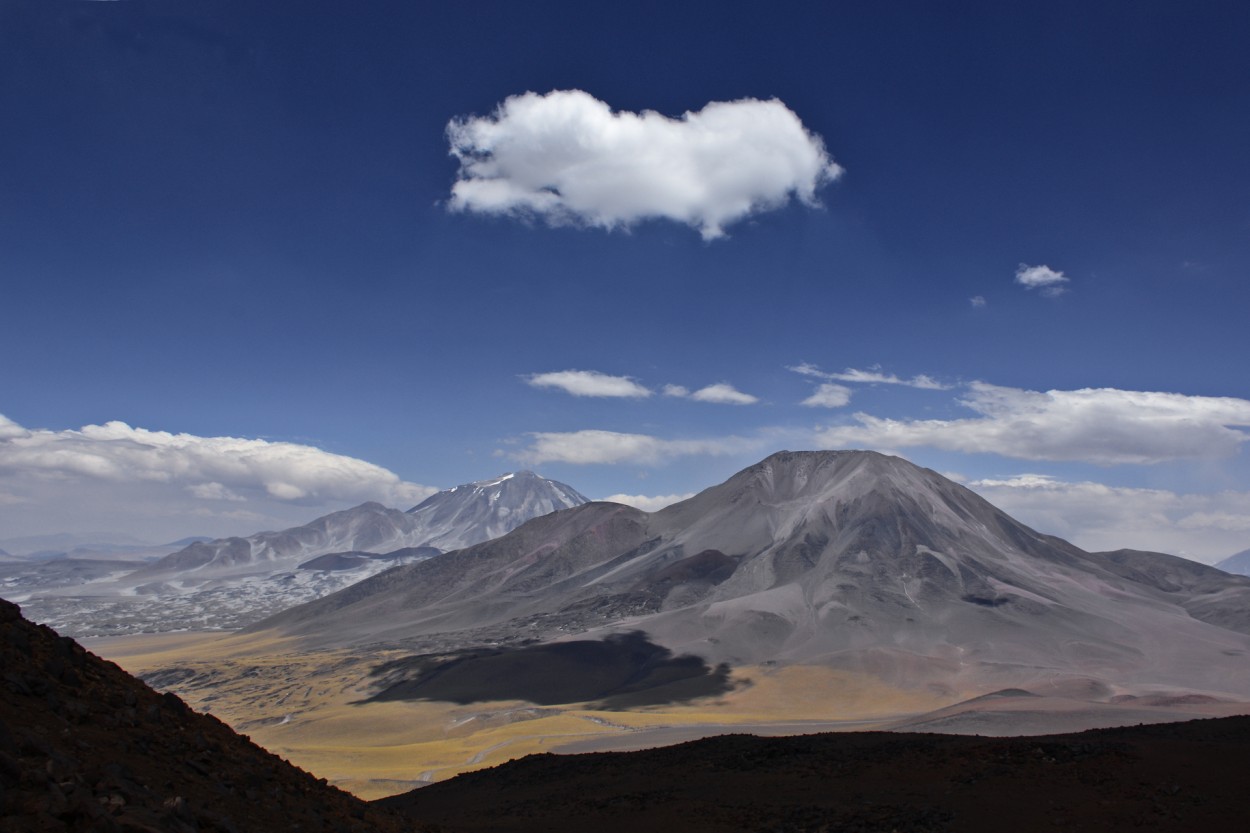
86,747
1178,777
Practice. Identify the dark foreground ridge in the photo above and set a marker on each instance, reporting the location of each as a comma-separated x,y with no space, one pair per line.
622,671
1168,777
86,747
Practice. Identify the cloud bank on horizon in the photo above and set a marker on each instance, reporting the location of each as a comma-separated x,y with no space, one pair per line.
1102,425
568,158
181,480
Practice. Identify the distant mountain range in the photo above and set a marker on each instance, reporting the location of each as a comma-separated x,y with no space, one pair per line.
102,545
1238,563
229,582
850,559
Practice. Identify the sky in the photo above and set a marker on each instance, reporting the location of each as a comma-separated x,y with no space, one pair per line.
258,264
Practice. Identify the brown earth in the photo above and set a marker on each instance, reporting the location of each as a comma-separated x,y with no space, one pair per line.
1169,777
86,747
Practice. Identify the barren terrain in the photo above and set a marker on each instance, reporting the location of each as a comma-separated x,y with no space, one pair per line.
311,707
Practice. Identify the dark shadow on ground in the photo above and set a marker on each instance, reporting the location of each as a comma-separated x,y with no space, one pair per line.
620,672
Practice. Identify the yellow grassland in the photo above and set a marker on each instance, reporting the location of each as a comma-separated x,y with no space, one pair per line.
307,707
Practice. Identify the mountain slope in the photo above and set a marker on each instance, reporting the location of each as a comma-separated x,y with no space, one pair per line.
853,559
1238,563
85,746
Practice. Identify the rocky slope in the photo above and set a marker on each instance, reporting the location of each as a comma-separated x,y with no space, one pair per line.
86,747
851,559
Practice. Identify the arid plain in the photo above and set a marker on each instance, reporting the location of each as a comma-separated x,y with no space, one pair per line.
309,707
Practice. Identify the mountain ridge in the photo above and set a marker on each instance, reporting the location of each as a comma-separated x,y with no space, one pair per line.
230,582
854,559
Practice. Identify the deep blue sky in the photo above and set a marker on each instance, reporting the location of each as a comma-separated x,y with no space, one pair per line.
230,219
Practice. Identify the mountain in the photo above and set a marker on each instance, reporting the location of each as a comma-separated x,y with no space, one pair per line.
1238,563
230,582
85,746
851,559
370,527
451,519
475,512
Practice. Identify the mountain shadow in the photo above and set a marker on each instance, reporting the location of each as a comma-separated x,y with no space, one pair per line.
619,672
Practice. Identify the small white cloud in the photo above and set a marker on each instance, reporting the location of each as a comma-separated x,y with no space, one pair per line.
723,393
829,395
649,503
871,376
609,447
978,301
568,158
808,369
589,383
1101,425
1043,278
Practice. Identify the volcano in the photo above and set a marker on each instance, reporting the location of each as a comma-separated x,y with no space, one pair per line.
852,559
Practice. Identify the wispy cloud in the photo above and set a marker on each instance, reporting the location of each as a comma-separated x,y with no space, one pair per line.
568,158
872,376
589,383
978,301
1048,281
1101,425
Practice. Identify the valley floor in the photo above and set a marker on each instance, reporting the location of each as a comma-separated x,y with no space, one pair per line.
308,706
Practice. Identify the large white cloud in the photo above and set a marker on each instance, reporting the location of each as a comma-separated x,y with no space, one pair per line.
124,476
608,447
1207,527
567,157
589,383
1099,425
